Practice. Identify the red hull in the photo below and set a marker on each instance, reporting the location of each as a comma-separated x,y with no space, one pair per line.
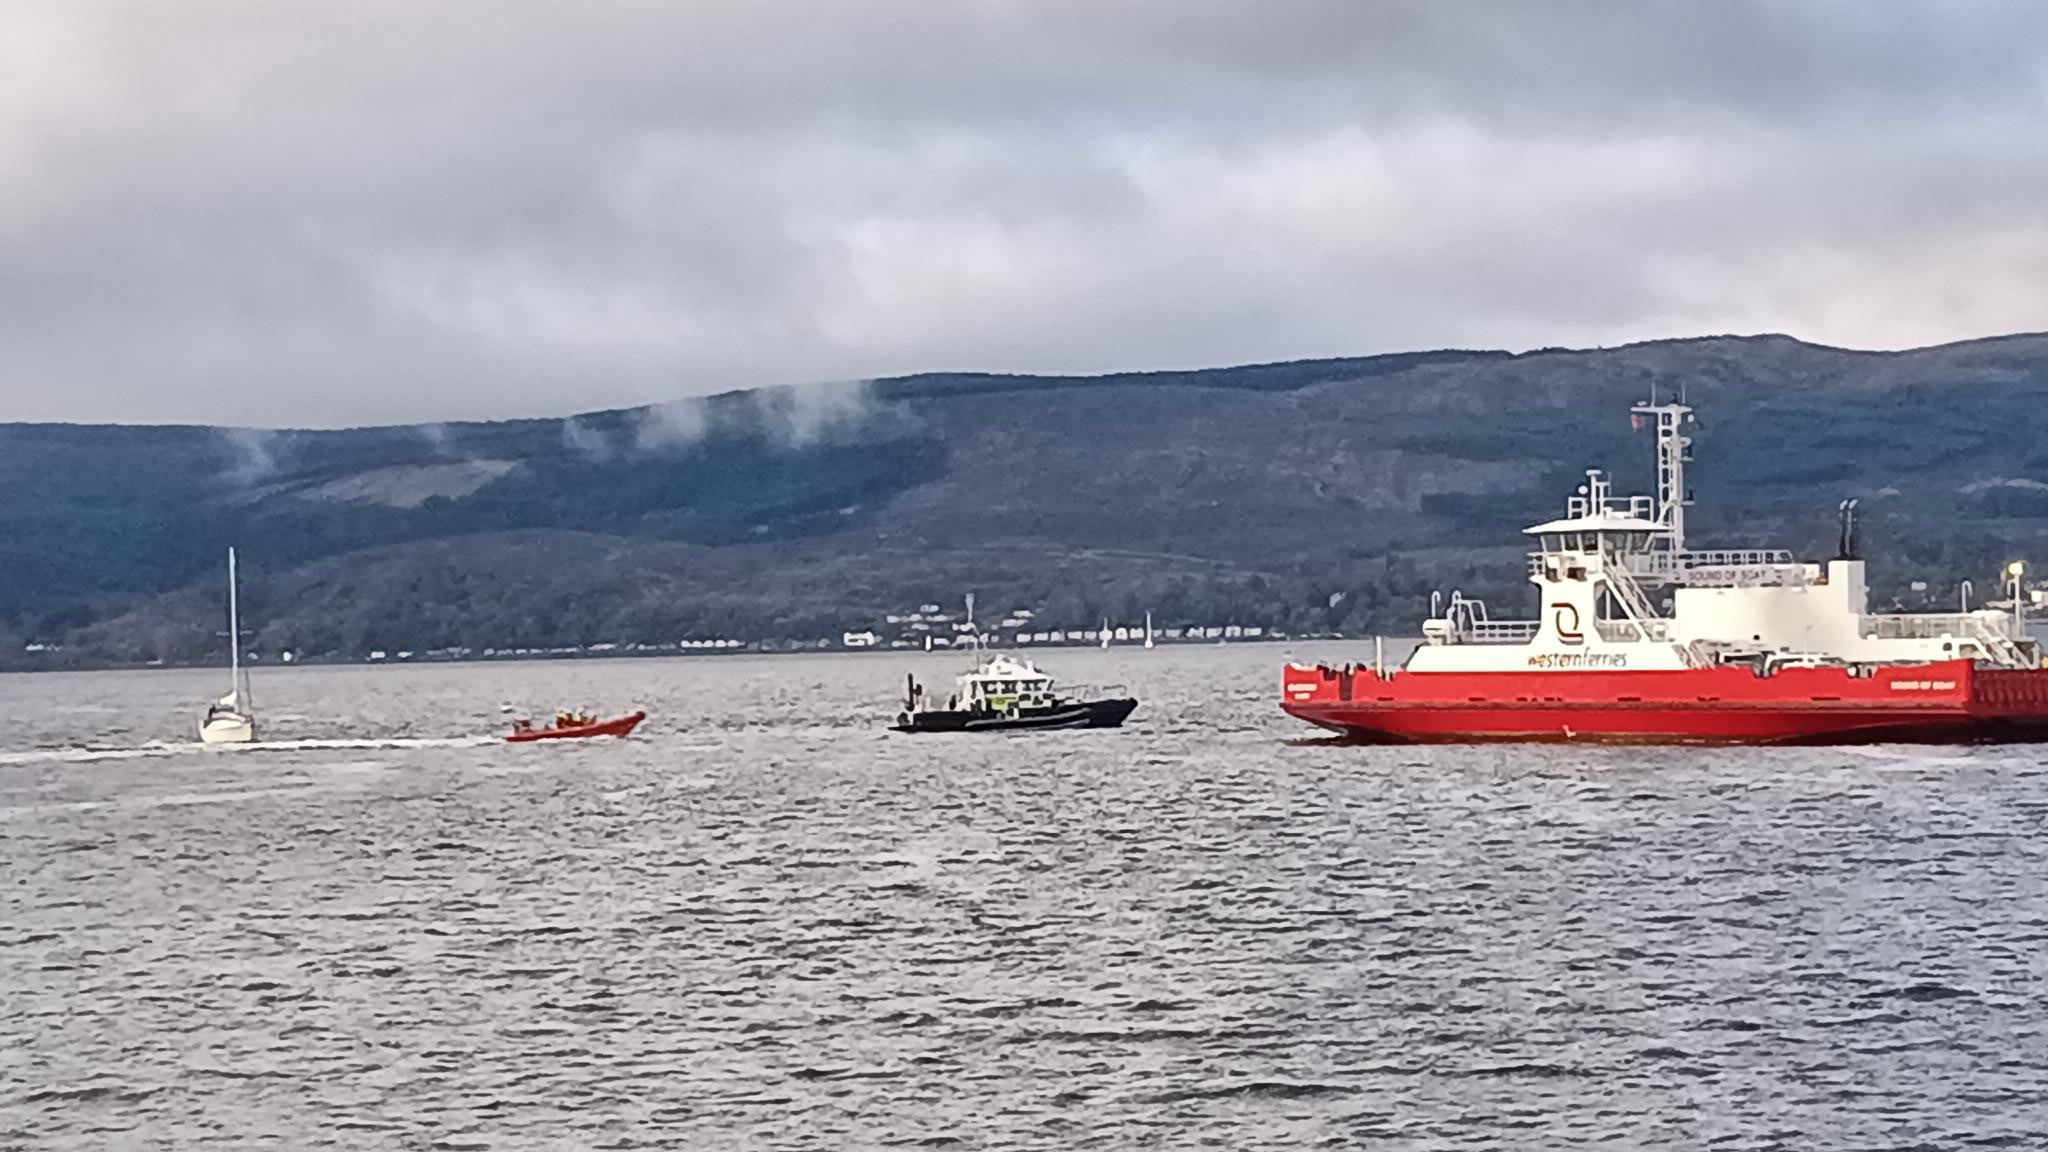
1950,702
618,726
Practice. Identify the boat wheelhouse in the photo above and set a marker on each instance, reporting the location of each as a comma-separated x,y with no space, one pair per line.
1001,683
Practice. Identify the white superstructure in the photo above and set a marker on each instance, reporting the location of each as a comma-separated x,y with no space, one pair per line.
1620,589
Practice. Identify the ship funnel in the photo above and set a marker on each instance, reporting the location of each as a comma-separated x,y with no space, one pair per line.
1848,546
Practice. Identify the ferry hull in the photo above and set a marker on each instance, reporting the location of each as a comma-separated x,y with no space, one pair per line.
1949,702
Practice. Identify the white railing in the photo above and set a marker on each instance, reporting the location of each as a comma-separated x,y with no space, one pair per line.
1735,558
1992,632
1625,631
1934,626
1735,566
1635,507
1441,631
1500,631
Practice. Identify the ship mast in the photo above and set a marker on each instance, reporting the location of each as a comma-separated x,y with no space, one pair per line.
1674,451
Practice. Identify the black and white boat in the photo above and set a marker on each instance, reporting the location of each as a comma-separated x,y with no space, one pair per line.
1003,694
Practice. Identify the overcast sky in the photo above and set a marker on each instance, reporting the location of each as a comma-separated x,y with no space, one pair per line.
346,211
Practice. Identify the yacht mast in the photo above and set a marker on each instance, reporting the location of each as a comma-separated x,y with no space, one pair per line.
234,633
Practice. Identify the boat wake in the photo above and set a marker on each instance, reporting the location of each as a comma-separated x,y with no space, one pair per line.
371,742
93,755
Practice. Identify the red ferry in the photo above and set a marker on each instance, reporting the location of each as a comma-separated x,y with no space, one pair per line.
1643,640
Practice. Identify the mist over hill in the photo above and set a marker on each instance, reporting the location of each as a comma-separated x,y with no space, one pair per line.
1312,497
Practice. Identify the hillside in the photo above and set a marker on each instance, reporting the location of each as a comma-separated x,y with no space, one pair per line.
1313,496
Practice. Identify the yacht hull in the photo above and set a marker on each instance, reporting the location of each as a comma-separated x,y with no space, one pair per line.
1946,702
227,730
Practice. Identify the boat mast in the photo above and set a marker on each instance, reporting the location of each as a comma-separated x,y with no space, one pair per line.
1674,450
234,633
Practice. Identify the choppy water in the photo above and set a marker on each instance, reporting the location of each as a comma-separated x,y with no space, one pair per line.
768,923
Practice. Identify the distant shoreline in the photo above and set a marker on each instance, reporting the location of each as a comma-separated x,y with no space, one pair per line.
261,667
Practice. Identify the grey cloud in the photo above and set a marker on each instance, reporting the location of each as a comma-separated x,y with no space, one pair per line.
803,413
671,424
579,436
794,414
252,453
353,211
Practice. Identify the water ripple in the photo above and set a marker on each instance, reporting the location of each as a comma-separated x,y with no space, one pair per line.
754,928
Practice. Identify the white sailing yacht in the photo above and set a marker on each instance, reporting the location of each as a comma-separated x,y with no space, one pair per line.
231,719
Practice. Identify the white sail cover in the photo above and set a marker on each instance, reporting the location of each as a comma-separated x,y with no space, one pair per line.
228,702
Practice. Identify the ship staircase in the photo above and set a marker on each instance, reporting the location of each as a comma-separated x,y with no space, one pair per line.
1639,617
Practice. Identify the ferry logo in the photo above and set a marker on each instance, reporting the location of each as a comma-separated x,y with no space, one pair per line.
1566,619
1579,660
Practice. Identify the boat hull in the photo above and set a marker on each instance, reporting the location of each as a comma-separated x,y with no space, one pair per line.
1948,702
617,726
227,730
238,730
1078,714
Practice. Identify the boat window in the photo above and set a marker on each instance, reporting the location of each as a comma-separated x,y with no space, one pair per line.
1552,542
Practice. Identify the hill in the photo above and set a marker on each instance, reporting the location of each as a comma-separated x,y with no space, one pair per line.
1314,496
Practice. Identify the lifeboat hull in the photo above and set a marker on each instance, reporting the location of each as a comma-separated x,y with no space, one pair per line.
1948,702
617,726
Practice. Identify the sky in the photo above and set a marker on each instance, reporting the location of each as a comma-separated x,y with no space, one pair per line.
336,212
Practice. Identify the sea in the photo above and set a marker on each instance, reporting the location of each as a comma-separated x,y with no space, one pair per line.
765,921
